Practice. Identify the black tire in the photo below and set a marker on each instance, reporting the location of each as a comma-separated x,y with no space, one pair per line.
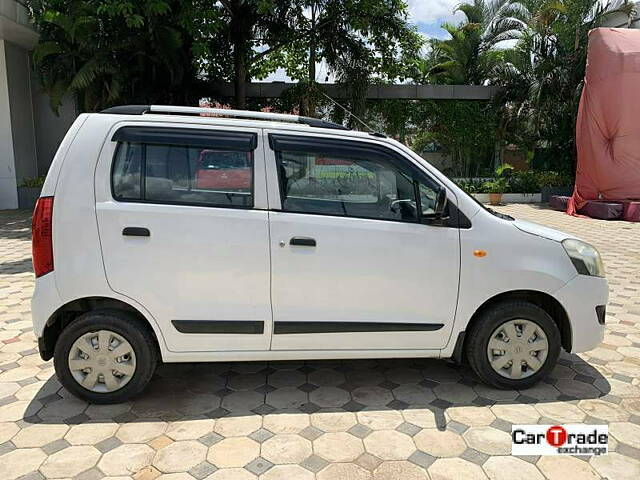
478,339
123,323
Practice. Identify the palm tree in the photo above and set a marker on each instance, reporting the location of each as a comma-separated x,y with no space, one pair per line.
100,60
543,74
469,55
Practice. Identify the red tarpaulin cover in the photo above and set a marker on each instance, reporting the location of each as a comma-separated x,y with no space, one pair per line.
608,124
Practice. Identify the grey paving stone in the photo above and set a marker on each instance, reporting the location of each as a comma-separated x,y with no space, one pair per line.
635,419
32,476
264,409
109,444
265,388
258,466
353,406
92,474
311,433
27,381
314,463
210,439
529,458
77,419
309,408
408,428
6,447
428,383
628,451
308,387
202,470
218,413
368,461
422,459
388,385
359,430
622,378
397,404
261,435
474,456
457,427
483,402
125,417
55,446
501,424
7,400
438,402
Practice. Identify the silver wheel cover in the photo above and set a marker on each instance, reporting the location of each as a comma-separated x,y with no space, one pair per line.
517,349
102,361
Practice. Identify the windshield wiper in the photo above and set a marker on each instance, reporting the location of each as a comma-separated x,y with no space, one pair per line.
503,216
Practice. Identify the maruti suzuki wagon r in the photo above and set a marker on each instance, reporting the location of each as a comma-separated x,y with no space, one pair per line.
334,244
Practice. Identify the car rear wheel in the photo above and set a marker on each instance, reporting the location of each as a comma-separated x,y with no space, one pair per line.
513,345
105,356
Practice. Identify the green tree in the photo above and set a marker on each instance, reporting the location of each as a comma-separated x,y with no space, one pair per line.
250,30
465,130
356,40
106,52
543,76
469,55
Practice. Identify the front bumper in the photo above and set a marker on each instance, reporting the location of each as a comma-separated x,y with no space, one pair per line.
580,298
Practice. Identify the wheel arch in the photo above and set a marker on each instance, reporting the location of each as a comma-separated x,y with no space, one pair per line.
70,311
541,299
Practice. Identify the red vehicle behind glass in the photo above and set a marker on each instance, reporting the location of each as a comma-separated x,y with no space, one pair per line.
223,170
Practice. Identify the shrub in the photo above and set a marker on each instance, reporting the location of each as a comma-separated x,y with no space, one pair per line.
33,182
508,180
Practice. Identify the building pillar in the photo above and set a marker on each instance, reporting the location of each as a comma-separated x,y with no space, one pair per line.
8,182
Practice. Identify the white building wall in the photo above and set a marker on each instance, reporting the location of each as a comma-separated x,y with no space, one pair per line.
8,182
22,130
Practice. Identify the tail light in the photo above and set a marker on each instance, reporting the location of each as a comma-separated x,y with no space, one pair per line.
42,236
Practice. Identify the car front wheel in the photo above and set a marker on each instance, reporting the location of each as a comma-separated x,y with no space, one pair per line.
513,345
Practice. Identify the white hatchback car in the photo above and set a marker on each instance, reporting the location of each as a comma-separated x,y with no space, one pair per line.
185,234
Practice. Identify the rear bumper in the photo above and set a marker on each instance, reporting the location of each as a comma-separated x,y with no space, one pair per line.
583,299
44,302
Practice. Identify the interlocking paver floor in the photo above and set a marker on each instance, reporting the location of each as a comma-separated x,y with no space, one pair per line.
371,419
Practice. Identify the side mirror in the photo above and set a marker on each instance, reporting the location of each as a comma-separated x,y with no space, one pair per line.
440,208
441,202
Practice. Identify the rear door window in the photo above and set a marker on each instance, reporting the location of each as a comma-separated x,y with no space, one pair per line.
184,166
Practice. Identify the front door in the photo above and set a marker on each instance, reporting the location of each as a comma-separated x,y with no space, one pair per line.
353,265
184,232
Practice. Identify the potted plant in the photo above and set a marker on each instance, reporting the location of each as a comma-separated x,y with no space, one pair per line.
496,188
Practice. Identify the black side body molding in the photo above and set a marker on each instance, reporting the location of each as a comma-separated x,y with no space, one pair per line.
280,328
219,326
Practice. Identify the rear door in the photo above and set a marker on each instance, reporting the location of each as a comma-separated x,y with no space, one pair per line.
354,266
184,231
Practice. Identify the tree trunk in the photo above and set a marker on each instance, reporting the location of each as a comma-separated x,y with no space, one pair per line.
240,33
240,76
311,92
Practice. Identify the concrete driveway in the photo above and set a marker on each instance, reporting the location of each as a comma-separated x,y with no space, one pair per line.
328,420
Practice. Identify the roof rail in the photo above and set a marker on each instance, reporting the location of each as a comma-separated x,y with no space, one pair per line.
223,112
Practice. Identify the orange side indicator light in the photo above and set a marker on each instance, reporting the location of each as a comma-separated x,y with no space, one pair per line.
480,253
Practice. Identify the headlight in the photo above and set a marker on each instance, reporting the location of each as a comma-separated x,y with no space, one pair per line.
585,258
